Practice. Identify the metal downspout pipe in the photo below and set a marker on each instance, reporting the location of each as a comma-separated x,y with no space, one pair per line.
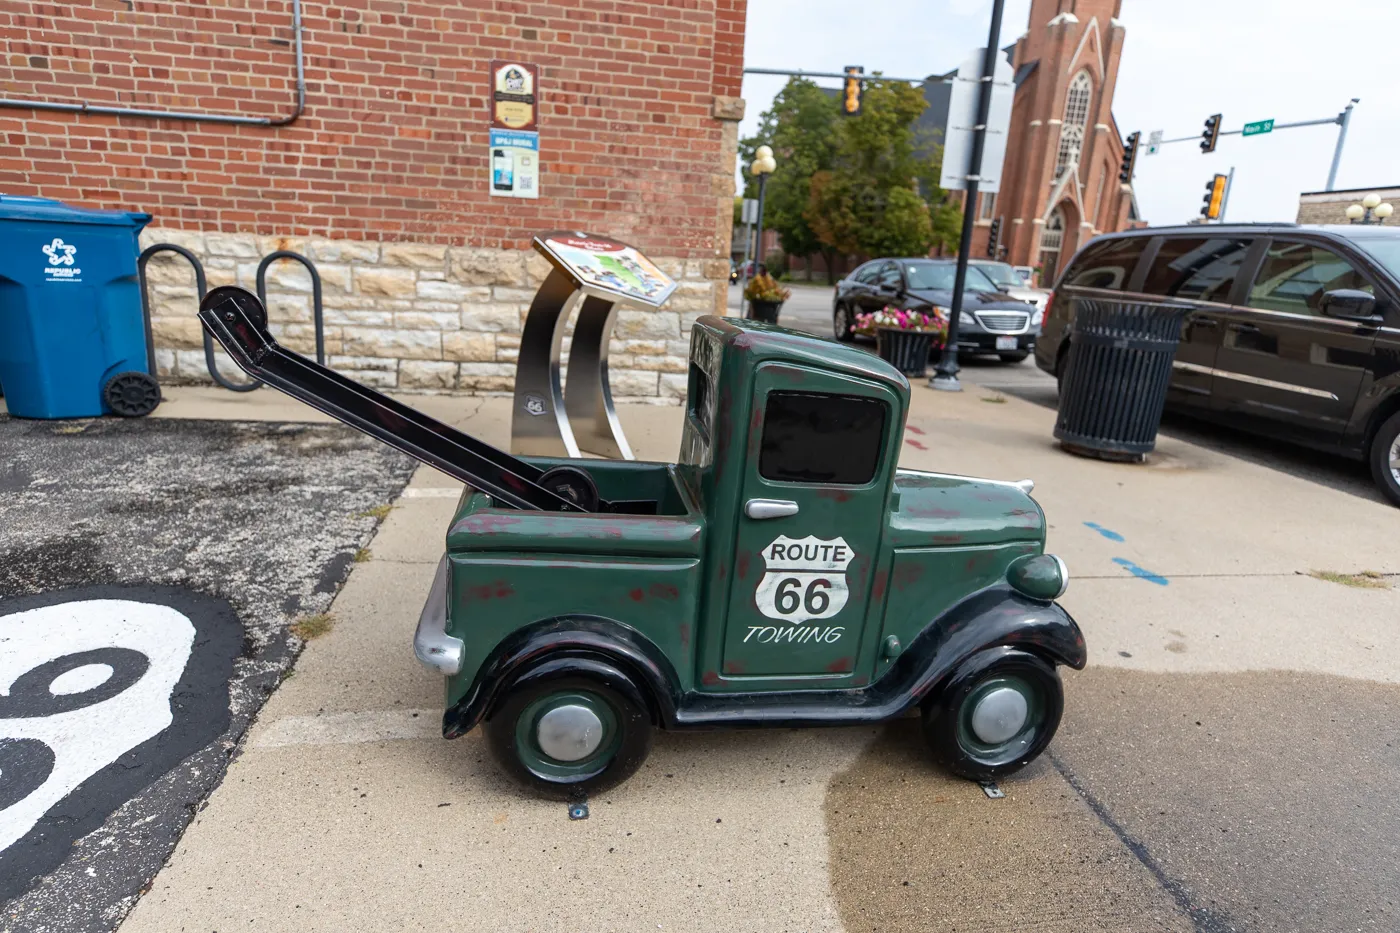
85,107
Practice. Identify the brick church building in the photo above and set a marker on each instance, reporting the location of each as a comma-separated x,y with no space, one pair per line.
1060,183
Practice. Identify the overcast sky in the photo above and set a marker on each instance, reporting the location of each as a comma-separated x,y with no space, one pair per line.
1182,61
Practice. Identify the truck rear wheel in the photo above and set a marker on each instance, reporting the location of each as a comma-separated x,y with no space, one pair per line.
998,712
566,733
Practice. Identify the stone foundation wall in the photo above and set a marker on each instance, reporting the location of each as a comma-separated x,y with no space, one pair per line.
416,316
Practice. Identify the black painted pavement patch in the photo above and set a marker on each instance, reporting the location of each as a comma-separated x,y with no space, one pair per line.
149,571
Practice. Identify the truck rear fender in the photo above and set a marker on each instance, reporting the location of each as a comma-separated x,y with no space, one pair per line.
591,645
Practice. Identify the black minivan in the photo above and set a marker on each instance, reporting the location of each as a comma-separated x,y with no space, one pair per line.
1294,331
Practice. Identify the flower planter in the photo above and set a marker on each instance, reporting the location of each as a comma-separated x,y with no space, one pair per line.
906,350
766,311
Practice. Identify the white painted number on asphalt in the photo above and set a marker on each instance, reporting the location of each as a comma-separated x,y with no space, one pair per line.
81,684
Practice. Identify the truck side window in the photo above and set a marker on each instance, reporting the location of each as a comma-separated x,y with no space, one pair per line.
1196,268
813,438
1294,276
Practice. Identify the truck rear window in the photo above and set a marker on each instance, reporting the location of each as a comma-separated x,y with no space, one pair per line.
1106,264
815,438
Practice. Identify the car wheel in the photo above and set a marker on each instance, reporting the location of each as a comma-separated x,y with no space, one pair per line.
1015,357
568,733
841,324
998,712
1385,458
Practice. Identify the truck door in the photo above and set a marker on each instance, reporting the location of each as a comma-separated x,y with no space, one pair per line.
813,505
1286,362
1200,272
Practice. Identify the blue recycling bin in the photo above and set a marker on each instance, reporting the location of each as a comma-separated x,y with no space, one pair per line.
73,337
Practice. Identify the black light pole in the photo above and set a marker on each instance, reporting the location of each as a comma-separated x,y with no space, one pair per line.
945,375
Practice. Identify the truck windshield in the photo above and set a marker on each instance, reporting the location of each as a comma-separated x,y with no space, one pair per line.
1385,251
940,275
1002,275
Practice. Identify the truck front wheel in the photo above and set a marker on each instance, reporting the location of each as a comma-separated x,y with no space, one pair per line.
566,733
998,712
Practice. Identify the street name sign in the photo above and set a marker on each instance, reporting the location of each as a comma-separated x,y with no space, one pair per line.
1258,128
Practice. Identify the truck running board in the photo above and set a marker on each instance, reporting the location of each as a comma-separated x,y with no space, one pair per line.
238,320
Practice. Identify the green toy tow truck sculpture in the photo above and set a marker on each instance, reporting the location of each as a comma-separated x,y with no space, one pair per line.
783,572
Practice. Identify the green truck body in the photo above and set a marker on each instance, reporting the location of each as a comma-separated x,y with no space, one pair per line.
727,619
784,571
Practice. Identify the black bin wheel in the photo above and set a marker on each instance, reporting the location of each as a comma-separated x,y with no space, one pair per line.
567,733
131,394
997,713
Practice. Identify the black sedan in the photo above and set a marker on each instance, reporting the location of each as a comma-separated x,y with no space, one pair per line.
992,321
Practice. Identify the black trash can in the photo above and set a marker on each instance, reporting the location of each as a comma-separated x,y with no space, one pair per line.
1116,376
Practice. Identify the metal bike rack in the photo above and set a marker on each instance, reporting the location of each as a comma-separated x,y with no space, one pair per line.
202,288
548,419
316,310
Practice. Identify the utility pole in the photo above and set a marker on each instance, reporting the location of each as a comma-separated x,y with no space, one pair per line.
945,376
1344,118
1225,201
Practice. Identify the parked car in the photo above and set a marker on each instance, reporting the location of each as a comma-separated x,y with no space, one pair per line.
1006,278
1293,332
992,321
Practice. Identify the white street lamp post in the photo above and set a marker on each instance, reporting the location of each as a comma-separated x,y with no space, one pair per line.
1370,211
762,166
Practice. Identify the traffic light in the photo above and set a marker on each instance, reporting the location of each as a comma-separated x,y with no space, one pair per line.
1211,135
994,238
1214,199
850,93
1130,148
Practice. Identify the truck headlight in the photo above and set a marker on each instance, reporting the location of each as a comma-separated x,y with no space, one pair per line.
1039,576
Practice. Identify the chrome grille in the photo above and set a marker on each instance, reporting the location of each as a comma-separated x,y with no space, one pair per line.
1003,322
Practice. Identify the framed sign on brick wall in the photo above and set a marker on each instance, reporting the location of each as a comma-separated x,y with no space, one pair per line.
514,149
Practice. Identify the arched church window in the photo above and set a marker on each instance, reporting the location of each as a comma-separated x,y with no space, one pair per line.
1076,116
1052,237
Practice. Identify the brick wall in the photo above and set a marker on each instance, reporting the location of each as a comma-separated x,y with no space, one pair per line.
637,133
1330,207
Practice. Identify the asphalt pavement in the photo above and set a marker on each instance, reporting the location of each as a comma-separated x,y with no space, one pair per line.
150,575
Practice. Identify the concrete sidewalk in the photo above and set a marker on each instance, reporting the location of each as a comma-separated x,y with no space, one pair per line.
345,810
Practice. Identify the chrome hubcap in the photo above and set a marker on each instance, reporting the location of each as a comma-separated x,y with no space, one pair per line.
569,733
1395,459
999,716
841,331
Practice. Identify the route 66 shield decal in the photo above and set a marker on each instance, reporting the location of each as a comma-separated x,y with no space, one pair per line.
805,578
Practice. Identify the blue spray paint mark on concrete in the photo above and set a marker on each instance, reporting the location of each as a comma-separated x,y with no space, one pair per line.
1110,535
1137,571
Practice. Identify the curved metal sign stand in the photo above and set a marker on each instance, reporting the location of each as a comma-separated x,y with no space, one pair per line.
539,425
545,421
589,400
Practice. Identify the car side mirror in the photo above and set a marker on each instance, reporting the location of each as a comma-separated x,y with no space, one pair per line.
1348,303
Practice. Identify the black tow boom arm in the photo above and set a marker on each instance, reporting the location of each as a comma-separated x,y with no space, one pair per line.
238,320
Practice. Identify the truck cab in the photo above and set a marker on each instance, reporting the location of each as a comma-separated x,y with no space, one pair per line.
783,571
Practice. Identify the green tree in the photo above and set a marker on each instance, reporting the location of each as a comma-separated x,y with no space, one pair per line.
881,196
801,127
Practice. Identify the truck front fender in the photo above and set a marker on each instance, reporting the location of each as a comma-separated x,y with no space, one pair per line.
995,617
593,645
